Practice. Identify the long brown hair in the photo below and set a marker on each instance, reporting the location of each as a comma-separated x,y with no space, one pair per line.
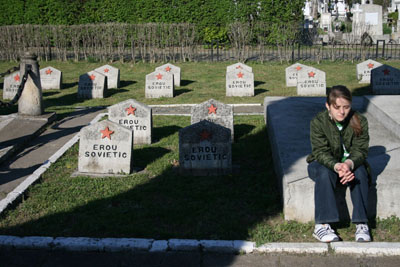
341,91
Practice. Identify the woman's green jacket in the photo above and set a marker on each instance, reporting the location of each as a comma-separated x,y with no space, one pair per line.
326,140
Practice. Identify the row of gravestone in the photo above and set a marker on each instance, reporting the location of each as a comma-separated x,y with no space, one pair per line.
384,79
205,146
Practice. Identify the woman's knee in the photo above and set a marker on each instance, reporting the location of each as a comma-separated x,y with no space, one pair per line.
361,174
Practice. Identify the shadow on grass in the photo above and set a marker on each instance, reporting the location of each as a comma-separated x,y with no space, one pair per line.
364,90
257,83
260,91
186,82
125,83
181,91
242,129
69,85
49,93
168,205
163,132
65,100
114,91
146,155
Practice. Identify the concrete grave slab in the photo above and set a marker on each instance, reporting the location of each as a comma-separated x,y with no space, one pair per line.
50,78
159,84
385,80
288,123
105,147
239,82
364,70
11,84
113,75
205,149
213,111
134,115
172,69
92,85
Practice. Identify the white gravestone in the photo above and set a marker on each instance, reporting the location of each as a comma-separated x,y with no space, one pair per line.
292,74
11,84
174,70
364,70
311,81
105,147
214,111
385,80
92,85
159,84
112,75
134,115
239,66
50,78
239,82
205,149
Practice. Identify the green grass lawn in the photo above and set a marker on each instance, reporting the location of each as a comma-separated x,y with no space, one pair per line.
158,202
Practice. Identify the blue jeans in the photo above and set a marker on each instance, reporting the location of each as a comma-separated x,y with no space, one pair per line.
324,193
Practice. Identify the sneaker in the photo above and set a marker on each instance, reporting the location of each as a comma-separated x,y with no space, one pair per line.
362,233
324,233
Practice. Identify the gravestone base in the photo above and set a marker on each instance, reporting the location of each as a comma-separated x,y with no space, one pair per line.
205,172
77,173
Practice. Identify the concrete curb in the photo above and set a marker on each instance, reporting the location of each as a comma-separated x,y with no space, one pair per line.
219,246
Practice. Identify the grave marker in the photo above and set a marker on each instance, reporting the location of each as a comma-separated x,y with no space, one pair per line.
311,81
11,84
50,78
239,82
292,73
92,85
134,115
364,70
159,84
174,70
205,149
385,80
239,66
214,111
105,147
112,74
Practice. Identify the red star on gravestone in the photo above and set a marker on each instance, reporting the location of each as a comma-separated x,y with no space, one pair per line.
106,133
311,74
49,71
238,67
298,68
16,78
168,69
159,76
370,65
205,135
386,72
92,77
106,70
212,109
240,75
130,110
